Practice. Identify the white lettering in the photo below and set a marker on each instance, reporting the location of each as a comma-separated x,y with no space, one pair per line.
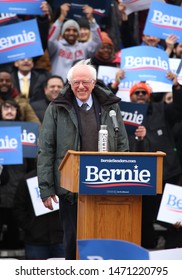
162,19
117,175
28,137
18,39
8,143
133,118
92,173
133,62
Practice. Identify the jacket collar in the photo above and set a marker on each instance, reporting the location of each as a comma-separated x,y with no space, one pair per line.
101,92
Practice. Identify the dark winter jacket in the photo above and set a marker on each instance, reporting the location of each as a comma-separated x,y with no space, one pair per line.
40,107
159,122
60,133
39,230
12,174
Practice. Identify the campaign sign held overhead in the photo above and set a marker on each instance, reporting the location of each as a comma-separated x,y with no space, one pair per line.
25,7
107,174
19,41
101,8
10,145
144,63
29,136
163,20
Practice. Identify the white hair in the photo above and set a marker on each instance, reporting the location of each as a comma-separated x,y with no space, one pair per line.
86,62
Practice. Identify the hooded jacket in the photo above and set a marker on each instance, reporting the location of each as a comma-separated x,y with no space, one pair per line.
60,133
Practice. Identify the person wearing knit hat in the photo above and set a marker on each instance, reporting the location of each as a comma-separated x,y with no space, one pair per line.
106,53
106,40
140,93
70,24
64,46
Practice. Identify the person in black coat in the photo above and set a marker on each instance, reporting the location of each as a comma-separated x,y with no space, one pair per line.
10,175
36,78
159,122
52,87
43,234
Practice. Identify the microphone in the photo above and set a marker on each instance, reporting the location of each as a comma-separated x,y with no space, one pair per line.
112,114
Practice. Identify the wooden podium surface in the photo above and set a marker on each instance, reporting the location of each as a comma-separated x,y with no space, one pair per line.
106,216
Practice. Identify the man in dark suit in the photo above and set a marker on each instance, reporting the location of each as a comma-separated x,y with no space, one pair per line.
52,87
35,79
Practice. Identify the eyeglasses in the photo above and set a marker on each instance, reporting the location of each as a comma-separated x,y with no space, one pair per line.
140,91
84,83
7,107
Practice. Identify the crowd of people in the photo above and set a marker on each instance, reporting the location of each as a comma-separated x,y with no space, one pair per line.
50,90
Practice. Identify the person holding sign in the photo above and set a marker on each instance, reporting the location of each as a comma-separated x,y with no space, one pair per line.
9,178
159,122
166,45
68,126
43,234
66,50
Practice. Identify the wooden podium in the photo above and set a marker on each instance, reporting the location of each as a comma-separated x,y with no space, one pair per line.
107,216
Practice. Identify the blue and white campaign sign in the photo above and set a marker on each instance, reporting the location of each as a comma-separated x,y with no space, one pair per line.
19,41
10,145
25,7
133,115
174,65
38,206
5,18
110,249
163,20
105,174
107,74
101,8
170,210
144,63
29,136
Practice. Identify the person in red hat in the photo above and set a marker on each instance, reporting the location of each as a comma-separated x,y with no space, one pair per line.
159,122
140,93
106,53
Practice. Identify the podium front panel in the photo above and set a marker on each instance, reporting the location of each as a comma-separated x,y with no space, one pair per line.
109,217
118,174
110,188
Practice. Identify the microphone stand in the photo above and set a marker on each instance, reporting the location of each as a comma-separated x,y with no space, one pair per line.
115,139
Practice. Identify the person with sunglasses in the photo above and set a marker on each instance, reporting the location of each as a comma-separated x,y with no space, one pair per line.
159,121
140,93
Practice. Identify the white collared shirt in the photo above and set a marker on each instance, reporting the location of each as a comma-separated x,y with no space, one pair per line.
20,76
89,102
